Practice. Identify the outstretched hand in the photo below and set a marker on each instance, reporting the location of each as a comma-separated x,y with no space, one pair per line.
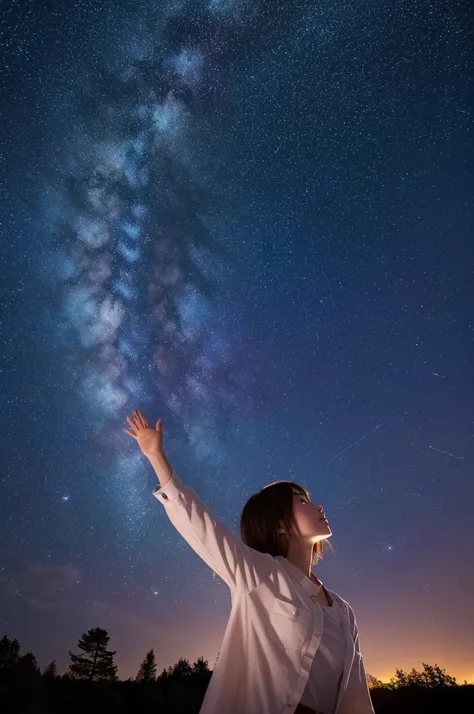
149,440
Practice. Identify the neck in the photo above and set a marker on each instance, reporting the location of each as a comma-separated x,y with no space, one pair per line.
301,556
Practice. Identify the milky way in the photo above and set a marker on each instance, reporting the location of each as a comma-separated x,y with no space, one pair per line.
138,264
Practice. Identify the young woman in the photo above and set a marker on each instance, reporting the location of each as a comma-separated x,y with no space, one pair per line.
291,646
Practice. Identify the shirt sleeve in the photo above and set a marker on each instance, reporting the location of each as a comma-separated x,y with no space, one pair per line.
356,699
240,567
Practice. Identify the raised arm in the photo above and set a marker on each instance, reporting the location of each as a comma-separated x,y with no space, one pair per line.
240,567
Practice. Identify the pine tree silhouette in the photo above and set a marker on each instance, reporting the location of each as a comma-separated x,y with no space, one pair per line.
50,670
9,653
165,675
147,671
97,661
28,663
182,668
200,666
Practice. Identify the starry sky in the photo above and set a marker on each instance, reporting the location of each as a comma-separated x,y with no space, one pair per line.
252,219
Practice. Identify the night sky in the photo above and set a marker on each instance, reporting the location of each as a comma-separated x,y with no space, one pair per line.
254,220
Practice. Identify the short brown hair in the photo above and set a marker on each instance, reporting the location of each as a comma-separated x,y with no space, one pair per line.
263,513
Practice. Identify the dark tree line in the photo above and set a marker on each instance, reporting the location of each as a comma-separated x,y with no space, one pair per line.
91,682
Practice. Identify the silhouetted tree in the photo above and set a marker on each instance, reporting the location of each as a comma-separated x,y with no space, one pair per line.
147,671
434,676
200,667
166,673
9,653
431,677
182,668
97,661
21,688
28,664
373,682
50,670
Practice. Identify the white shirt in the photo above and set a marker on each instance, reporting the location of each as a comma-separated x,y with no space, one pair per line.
274,631
325,677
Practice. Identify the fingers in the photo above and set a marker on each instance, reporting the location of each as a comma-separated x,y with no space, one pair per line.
140,418
133,425
136,423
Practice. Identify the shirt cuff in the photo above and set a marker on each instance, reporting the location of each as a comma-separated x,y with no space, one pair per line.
170,491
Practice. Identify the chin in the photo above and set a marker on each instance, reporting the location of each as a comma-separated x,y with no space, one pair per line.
327,531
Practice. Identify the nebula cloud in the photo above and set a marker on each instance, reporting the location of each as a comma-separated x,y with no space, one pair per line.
137,266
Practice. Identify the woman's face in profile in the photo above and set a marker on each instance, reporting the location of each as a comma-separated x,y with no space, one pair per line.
310,519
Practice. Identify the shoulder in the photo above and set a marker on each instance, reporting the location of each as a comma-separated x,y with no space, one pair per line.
340,600
345,606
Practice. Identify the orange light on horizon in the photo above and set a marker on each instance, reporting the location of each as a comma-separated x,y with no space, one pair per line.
460,677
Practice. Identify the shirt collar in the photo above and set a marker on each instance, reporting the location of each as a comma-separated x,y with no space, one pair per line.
298,575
